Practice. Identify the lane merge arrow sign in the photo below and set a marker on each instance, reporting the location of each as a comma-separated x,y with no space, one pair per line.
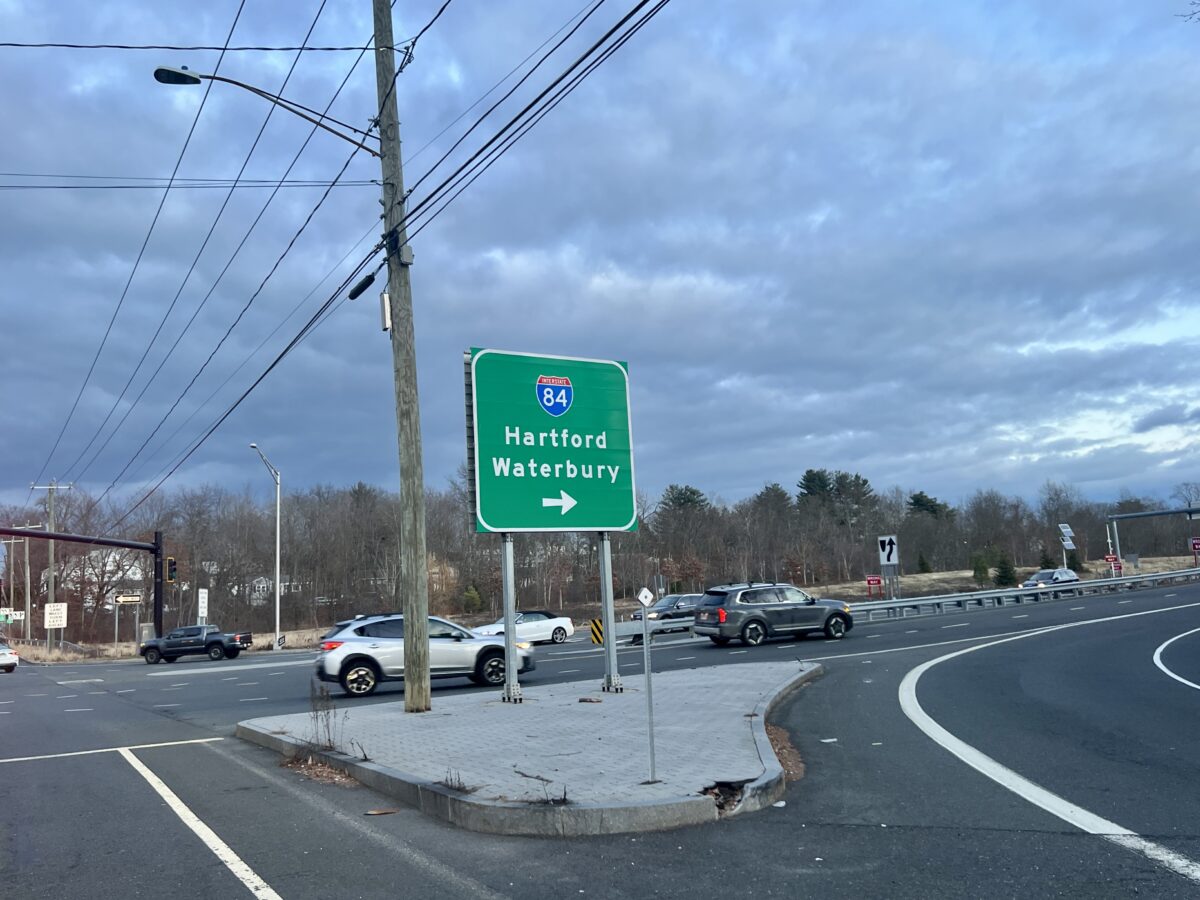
889,555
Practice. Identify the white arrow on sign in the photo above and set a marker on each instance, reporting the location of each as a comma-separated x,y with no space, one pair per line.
566,501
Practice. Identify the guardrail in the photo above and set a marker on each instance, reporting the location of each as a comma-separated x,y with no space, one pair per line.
937,605
870,610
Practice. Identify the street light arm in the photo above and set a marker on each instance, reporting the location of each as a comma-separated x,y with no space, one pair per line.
168,75
266,462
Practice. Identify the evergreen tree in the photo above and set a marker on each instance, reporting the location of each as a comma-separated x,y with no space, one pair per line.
1006,575
1045,562
979,569
923,566
1073,561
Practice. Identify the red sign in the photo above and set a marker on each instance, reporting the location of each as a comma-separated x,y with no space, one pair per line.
1111,558
875,580
1196,545
1116,567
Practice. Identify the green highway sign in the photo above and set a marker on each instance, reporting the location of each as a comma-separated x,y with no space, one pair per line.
551,443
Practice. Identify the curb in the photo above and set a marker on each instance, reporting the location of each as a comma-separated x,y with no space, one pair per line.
769,786
548,819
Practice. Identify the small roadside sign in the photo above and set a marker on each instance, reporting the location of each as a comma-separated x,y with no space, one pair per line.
874,580
889,550
202,603
1117,566
597,630
5,610
122,599
55,615
1111,558
1196,545
18,616
645,596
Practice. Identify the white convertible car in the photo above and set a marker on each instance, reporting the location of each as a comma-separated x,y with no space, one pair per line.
534,625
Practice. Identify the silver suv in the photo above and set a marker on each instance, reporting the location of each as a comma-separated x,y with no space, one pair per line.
361,653
753,612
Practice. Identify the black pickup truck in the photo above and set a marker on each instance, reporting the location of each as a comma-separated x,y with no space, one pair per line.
194,639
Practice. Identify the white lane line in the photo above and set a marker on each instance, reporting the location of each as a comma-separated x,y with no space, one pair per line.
1168,595
181,684
2,702
37,695
914,631
97,692
682,658
277,673
1074,608
82,681
245,683
1119,602
1158,659
78,710
164,705
957,625
738,651
569,671
1022,616
1033,793
15,759
66,696
220,849
127,691
231,678
252,699
200,670
869,636
5,712
164,690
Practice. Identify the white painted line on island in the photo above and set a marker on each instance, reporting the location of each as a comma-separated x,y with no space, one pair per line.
243,667
220,849
17,759
1052,803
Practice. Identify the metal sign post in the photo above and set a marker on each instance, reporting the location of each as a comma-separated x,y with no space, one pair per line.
645,597
612,677
512,687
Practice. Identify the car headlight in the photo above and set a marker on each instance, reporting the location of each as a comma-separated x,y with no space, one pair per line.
652,615
523,645
845,607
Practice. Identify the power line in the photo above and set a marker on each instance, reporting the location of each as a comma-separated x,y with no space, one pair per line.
215,184
142,251
287,249
57,45
187,275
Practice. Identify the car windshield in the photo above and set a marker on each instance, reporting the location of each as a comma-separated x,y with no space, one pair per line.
713,598
1044,575
666,602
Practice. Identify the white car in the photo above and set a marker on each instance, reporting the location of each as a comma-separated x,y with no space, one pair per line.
534,625
8,658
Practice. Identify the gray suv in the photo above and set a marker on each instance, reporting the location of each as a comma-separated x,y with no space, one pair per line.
361,653
753,612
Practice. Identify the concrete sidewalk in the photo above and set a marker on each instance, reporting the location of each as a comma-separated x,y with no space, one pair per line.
560,763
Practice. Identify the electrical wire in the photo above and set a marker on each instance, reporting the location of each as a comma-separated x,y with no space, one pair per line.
223,183
56,45
141,252
183,283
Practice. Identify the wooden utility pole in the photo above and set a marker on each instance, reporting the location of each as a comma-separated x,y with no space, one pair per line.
414,580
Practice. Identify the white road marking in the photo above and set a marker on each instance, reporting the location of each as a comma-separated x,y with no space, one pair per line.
1036,794
828,740
682,658
1074,608
245,667
277,673
164,690
15,759
245,683
569,671
127,691
2,702
957,625
220,849
914,631
164,705
739,651
231,678
1119,602
1158,659
250,699
97,692
78,710
181,684
82,681
1022,616
1168,595
874,635
5,712
66,696
37,695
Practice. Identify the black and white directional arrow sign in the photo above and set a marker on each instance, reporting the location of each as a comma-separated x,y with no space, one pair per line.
889,553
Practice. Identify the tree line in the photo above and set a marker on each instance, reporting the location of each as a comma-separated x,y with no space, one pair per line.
340,547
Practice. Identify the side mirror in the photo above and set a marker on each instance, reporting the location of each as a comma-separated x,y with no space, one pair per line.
458,636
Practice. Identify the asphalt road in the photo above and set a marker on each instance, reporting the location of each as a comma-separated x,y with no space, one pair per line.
1102,714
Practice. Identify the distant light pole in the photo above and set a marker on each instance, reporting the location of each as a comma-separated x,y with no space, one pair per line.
275,475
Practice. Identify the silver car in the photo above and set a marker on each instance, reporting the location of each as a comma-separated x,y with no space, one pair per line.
8,658
361,653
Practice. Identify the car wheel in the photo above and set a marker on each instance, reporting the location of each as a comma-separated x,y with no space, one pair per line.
10,669
753,634
360,679
216,652
489,670
835,628
559,635
152,657
719,641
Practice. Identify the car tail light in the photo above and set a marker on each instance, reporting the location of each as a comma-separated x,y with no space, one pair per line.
326,646
721,615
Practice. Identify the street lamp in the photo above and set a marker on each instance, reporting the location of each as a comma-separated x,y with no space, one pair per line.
275,475
184,75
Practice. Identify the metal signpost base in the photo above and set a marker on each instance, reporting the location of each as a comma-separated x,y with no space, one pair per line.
649,691
612,678
512,687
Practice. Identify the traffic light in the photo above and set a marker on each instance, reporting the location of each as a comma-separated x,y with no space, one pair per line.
171,569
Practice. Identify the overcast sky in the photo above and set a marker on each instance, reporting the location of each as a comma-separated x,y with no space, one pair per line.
944,245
